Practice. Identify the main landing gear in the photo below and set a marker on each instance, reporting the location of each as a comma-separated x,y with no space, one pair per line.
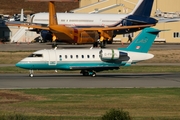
88,73
54,45
101,44
31,73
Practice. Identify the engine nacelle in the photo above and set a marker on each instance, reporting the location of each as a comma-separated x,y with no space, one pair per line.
111,55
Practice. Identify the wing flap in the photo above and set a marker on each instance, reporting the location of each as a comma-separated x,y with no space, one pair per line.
94,68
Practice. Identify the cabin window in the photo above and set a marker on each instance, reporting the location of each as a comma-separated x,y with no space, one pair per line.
93,56
82,56
77,56
71,56
66,56
76,20
60,57
35,55
88,56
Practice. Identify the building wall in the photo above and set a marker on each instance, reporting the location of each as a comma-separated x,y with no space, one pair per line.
171,36
87,2
87,6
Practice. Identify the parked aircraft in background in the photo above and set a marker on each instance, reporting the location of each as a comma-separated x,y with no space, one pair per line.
140,15
88,28
90,61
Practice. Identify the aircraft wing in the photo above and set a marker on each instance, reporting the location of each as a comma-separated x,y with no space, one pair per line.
94,68
85,29
28,25
116,28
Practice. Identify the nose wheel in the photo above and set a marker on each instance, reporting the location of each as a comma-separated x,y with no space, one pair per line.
93,74
31,73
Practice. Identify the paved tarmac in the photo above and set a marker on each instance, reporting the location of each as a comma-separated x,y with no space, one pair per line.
103,80
39,46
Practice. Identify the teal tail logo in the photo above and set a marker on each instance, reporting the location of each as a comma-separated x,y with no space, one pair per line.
144,41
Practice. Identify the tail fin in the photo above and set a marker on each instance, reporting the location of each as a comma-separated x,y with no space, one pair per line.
144,41
52,14
143,8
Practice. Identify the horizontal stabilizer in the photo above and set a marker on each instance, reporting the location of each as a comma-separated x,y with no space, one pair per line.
166,20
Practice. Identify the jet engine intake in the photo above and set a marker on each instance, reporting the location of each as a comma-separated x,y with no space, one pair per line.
111,55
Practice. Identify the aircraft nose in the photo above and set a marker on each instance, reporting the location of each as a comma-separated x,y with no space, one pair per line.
18,64
22,65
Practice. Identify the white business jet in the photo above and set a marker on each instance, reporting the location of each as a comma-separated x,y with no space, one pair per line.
90,61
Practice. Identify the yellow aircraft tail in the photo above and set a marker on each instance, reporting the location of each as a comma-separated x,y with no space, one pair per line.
52,14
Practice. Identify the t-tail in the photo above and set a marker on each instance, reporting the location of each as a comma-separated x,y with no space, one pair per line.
143,42
52,14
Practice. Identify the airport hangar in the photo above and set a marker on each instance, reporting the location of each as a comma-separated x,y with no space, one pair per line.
168,10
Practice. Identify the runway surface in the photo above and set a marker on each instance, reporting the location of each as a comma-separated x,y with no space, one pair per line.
39,46
103,80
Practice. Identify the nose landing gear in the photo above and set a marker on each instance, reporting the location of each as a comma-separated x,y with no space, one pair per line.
31,73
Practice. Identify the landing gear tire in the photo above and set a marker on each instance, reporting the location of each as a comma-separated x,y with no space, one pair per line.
94,74
31,75
41,41
95,44
85,73
54,45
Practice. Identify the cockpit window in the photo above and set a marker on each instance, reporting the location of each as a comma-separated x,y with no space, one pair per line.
35,55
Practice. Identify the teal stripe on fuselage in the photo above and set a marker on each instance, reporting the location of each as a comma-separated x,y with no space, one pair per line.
66,65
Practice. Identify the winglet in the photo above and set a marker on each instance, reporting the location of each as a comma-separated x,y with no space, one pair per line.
144,41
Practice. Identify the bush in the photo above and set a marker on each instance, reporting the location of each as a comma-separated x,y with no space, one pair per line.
12,117
15,116
116,114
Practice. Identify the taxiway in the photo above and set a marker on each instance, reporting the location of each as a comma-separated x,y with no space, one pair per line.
103,80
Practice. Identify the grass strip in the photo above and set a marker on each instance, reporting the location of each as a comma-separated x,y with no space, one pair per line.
90,104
